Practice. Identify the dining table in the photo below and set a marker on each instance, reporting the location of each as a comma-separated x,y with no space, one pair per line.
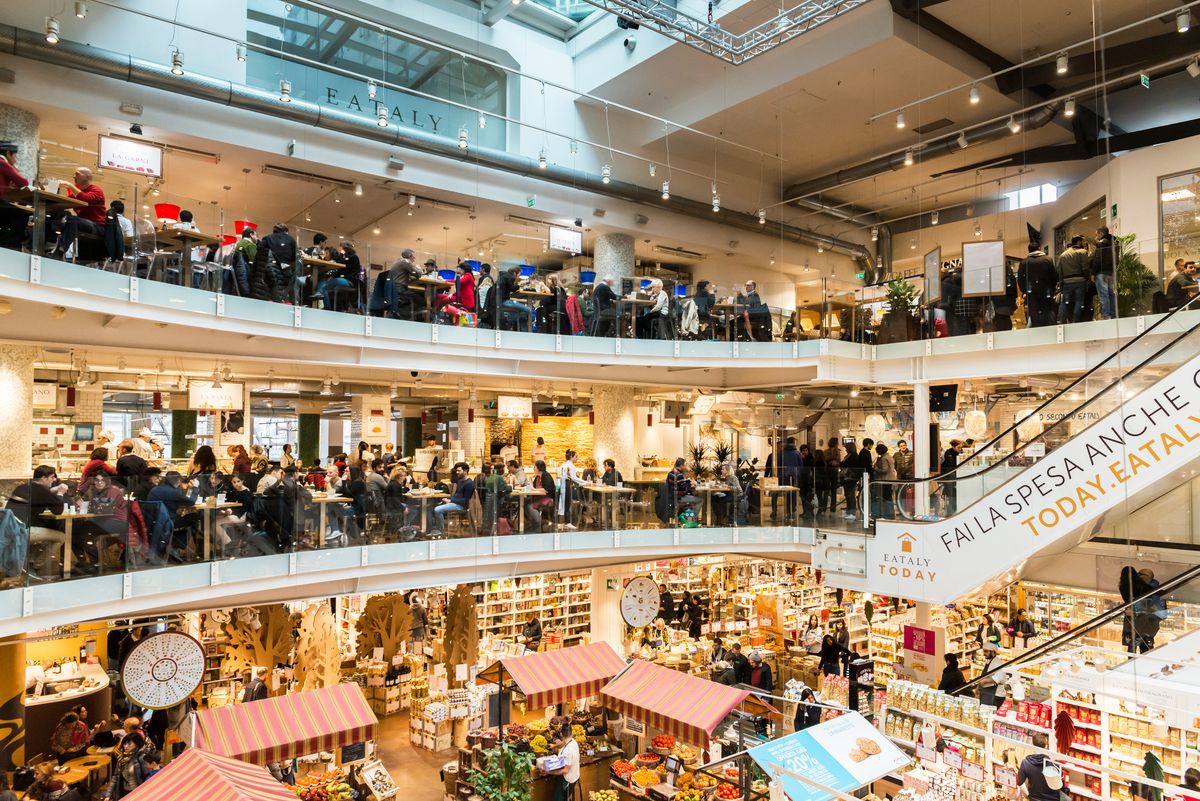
533,296
322,502
708,490
631,305
39,202
425,498
187,240
429,285
521,493
68,516
207,510
315,266
608,495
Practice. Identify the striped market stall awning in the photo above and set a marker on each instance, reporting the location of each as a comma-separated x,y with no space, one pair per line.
196,775
288,726
557,677
688,707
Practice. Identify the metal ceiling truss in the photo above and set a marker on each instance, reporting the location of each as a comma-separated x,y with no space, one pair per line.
711,38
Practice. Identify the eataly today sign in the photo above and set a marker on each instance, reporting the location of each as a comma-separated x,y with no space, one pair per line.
1137,445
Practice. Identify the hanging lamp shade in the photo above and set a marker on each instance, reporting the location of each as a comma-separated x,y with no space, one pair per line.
875,426
975,423
166,212
228,239
242,225
1029,424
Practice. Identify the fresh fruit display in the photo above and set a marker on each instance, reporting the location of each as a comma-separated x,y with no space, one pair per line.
703,781
517,731
647,759
330,791
579,733
539,745
603,795
758,786
537,726
623,768
690,794
731,772
728,792
685,779
663,741
644,777
684,752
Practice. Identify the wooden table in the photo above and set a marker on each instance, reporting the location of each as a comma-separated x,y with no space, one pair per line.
613,494
98,766
534,296
520,493
423,497
317,266
768,490
430,284
188,239
164,240
707,491
630,305
68,516
40,201
322,502
733,315
210,505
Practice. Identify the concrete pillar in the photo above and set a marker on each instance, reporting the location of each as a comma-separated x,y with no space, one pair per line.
615,427
921,445
614,257
16,415
471,433
12,702
22,128
605,611
371,420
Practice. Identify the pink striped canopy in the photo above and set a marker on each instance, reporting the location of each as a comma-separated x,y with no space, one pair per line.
287,726
685,706
199,776
557,677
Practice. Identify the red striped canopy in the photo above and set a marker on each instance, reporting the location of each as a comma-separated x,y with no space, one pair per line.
199,776
287,726
556,677
680,704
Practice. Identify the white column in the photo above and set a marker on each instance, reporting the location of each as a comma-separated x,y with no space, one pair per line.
921,445
607,624
615,427
370,420
16,413
471,433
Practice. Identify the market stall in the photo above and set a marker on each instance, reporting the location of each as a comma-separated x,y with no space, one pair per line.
197,775
556,677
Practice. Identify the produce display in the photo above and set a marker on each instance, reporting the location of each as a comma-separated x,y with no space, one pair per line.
603,795
330,786
647,759
644,777
684,752
539,745
622,768
690,794
703,781
663,741
579,733
538,726
728,792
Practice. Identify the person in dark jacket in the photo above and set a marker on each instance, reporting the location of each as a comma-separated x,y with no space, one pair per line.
29,501
1037,279
282,502
1021,625
789,476
1004,305
952,675
532,632
808,478
256,687
1103,269
1074,271
949,487
830,656
724,673
760,674
511,312
666,604
604,309
459,501
741,665
808,712
1181,288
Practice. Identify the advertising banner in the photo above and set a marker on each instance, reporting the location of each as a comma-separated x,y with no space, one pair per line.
204,397
127,155
842,754
1145,441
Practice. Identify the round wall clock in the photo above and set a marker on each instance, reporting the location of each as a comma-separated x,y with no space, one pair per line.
163,670
639,601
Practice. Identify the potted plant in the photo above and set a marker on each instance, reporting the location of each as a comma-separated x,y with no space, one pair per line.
698,455
722,452
1136,284
506,774
898,323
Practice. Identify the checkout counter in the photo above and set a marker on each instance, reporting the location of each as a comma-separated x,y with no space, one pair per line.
51,693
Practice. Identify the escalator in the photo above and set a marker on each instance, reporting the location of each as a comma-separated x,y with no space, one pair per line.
1074,468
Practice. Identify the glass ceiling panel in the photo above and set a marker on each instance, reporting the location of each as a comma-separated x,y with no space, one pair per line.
571,9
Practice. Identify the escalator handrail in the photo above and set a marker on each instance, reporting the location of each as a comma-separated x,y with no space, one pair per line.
1083,628
944,477
1071,387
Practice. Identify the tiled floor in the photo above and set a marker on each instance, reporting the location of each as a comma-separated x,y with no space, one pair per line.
415,770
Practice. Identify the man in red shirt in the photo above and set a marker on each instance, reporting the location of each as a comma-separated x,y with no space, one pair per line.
13,221
89,219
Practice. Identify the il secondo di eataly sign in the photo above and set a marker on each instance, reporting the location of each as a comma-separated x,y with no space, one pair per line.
1132,447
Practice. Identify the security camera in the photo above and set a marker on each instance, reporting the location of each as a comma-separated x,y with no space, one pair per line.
135,129
578,222
630,42
413,373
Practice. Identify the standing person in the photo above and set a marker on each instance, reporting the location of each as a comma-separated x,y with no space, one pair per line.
128,770
988,631
407,294
741,665
827,479
948,478
1180,289
604,309
1004,305
539,453
952,675
811,638
991,692
1191,782
693,617
1033,777
885,473
14,221
1021,625
1037,278
568,747
808,711
760,673
286,459
790,463
531,632
841,638
1073,272
420,618
849,475
829,656
719,652
568,479
666,604
256,687
1103,268
723,672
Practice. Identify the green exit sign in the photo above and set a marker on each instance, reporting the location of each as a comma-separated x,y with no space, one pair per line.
531,201
1145,81
860,276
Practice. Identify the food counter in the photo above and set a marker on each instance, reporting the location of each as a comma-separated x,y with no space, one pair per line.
593,775
89,687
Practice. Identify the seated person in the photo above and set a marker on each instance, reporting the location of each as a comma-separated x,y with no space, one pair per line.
14,221
175,493
678,493
460,500
604,309
90,219
755,322
407,294
513,313
42,494
345,278
462,299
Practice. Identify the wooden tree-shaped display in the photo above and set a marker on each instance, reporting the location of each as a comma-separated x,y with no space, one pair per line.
461,643
267,645
385,622
318,658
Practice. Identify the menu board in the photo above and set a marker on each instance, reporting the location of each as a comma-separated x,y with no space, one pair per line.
983,268
842,754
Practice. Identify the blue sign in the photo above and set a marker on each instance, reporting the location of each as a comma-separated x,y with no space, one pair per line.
842,754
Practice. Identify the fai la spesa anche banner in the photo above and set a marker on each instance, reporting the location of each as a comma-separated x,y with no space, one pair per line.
1139,443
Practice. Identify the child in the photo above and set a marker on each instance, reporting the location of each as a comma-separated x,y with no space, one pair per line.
153,763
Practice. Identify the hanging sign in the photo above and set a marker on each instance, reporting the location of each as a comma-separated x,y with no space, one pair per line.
129,155
513,407
204,397
45,396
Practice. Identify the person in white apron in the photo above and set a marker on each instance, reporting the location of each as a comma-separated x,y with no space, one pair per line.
567,475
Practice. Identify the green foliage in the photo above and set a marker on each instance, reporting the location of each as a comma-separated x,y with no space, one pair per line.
868,611
698,457
901,295
1153,770
1136,284
723,452
506,774
747,474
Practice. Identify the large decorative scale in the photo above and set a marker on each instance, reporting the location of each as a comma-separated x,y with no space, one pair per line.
163,670
639,601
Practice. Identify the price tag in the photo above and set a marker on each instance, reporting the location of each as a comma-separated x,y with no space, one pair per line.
953,759
1005,777
926,753
972,771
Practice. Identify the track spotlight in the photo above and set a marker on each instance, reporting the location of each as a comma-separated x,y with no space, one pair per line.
900,120
1013,125
762,216
1069,106
542,159
239,50
176,62
933,218
974,93
606,173
412,200
51,30
358,190
80,9
382,116
1183,20
962,140
653,169
482,122
912,245
462,138
372,89
666,192
285,90
1060,63
716,202
978,231
908,157
874,233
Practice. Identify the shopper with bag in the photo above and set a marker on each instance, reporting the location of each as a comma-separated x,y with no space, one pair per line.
1039,775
